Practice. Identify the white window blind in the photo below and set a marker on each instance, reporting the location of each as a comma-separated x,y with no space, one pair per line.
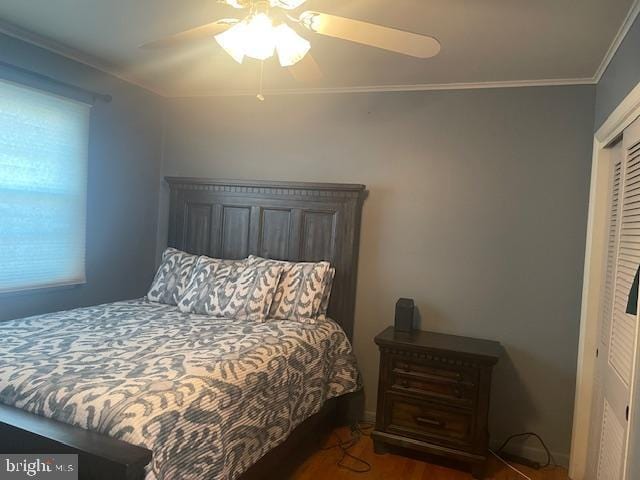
43,184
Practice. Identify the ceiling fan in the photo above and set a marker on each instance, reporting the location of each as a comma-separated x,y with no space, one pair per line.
266,31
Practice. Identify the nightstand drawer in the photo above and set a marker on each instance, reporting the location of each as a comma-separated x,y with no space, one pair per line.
417,418
434,372
418,384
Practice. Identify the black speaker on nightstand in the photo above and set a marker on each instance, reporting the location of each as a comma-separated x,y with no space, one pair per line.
404,315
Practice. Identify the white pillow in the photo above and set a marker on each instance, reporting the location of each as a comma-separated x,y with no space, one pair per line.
326,293
231,289
172,277
300,290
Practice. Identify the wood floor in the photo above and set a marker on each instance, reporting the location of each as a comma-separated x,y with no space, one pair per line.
323,465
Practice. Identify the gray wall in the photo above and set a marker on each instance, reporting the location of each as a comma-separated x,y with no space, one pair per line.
124,153
622,74
477,209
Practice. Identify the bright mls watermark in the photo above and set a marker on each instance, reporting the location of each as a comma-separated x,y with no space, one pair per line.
49,467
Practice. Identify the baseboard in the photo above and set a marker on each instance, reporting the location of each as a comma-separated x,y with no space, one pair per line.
369,417
527,451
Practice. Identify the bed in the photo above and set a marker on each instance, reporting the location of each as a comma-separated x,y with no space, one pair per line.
142,390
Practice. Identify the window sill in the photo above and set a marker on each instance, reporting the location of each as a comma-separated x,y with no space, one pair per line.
42,290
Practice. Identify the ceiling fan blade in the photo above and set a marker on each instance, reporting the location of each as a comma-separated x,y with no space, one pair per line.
306,70
399,41
209,30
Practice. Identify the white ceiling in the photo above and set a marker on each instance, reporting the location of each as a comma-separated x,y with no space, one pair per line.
528,41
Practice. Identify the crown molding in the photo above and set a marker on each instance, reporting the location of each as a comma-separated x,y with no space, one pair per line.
70,53
397,88
618,39
624,114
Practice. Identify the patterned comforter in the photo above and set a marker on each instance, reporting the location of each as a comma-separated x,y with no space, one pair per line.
209,397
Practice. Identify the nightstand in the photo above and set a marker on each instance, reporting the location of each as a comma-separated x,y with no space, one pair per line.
433,395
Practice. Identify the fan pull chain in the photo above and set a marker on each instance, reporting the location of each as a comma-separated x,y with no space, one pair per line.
260,96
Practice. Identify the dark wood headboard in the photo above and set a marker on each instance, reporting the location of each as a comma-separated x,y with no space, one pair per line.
280,220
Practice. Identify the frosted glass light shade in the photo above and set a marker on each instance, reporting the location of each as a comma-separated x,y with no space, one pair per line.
235,4
291,47
287,4
232,41
259,41
253,37
43,188
256,37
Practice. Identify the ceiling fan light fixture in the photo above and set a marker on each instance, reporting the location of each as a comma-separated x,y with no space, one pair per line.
236,3
259,37
287,4
291,47
232,41
253,37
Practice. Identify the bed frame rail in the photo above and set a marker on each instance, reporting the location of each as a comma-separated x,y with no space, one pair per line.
101,457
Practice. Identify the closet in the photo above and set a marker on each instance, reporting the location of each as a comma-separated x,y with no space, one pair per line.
616,350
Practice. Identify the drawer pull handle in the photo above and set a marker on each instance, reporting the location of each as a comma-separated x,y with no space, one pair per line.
430,421
457,392
404,383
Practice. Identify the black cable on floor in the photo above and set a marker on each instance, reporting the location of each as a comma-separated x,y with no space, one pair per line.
357,433
550,458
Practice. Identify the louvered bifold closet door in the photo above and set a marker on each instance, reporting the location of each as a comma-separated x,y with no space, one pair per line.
606,310
612,253
617,343
623,329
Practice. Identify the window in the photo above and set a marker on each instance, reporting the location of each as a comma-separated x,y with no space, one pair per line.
43,184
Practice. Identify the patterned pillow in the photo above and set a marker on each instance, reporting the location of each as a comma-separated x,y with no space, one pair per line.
299,291
172,277
326,293
231,289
